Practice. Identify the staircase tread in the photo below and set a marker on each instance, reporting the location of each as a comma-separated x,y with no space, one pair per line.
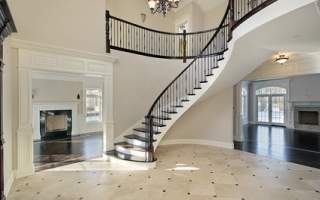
161,117
154,124
169,112
143,129
191,94
185,100
197,88
209,75
177,106
203,81
137,137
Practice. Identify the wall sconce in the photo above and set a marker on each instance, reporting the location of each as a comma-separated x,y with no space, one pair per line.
143,17
34,93
281,59
78,96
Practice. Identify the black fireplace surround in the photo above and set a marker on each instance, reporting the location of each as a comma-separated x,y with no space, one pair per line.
51,119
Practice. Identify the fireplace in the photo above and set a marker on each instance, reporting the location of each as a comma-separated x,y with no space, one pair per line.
55,124
307,117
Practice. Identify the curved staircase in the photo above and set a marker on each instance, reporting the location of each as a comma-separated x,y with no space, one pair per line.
189,85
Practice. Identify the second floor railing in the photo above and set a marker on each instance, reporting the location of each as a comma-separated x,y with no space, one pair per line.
129,37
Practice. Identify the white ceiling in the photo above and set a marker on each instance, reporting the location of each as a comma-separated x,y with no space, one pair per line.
296,32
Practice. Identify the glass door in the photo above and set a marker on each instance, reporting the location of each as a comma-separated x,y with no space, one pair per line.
277,109
263,109
271,109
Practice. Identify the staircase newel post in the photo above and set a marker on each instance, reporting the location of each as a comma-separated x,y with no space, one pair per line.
184,46
232,18
107,31
150,136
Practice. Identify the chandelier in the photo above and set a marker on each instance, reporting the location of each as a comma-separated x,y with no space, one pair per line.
162,6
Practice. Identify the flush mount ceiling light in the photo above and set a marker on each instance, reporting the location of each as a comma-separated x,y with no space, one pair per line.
162,6
281,59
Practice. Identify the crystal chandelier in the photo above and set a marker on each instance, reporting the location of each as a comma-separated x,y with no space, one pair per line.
162,6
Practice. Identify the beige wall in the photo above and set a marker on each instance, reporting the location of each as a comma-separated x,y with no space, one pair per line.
131,10
209,120
213,17
74,24
56,90
137,82
10,113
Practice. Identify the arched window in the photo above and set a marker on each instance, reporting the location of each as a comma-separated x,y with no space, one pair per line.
271,91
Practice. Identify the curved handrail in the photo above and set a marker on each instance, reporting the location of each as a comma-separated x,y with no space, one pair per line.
158,31
129,37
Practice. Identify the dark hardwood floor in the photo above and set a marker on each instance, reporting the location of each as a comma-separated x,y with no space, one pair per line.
295,146
59,152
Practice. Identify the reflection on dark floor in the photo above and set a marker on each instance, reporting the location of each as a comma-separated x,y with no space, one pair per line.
300,147
54,153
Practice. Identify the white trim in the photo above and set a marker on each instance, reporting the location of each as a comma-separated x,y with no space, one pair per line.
8,184
40,47
199,142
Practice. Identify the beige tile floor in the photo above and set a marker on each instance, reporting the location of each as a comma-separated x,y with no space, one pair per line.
188,172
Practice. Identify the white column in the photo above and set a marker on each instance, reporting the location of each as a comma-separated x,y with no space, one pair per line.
108,125
25,165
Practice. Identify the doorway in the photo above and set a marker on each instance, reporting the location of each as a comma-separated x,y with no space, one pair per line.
270,105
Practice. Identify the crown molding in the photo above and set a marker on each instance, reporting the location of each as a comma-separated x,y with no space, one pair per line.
30,45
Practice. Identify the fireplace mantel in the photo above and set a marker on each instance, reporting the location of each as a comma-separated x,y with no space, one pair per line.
55,105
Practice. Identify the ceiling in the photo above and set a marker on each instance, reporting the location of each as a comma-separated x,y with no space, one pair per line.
296,32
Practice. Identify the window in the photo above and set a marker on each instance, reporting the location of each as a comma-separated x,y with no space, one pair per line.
93,105
271,91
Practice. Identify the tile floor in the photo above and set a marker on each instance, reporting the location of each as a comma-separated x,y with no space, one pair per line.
189,172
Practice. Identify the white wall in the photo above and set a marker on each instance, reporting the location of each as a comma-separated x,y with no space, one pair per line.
305,88
74,24
210,120
212,18
138,80
56,90
10,113
130,10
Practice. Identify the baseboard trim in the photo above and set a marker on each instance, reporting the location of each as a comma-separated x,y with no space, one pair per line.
9,183
199,142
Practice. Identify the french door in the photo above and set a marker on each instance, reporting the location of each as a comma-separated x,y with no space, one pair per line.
271,109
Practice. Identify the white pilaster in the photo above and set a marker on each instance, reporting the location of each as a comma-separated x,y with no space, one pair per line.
25,165
108,128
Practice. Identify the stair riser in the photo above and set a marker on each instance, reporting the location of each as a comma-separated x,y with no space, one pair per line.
137,143
132,158
131,152
141,134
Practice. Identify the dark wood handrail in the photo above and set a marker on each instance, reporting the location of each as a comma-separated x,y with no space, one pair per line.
158,31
